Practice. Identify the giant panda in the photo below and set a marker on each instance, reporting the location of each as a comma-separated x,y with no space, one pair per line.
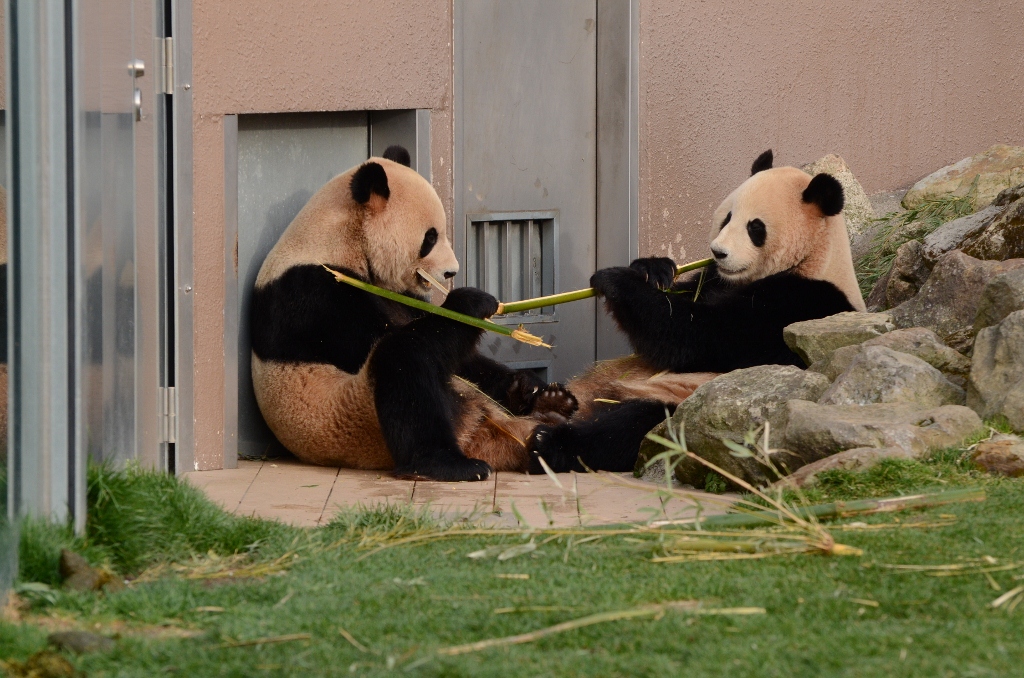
781,255
346,378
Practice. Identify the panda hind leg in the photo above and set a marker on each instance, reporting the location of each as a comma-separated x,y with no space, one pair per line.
608,440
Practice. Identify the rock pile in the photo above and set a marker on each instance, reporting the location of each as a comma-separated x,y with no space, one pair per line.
897,383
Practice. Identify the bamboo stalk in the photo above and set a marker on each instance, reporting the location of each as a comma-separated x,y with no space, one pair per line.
843,509
519,334
565,297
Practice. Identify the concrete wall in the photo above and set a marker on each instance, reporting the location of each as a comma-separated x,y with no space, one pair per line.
266,56
898,89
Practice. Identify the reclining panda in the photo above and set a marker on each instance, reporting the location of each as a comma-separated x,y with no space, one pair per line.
782,255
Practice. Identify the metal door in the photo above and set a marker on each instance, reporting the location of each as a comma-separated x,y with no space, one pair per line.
123,247
524,171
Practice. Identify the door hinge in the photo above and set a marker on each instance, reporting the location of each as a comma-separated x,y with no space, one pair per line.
167,67
168,415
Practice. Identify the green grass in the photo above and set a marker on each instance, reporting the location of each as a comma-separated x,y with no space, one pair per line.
897,228
405,602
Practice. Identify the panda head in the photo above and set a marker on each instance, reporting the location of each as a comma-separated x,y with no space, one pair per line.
778,220
402,224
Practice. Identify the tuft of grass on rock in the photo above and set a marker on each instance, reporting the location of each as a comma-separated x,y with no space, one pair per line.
897,228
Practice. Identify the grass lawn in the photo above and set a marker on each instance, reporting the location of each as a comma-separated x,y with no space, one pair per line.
825,615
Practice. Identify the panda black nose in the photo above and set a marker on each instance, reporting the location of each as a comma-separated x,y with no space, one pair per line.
449,275
719,254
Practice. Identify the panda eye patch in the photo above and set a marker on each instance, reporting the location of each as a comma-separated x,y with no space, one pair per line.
725,221
429,240
757,232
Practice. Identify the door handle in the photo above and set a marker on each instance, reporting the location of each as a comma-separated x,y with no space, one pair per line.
137,69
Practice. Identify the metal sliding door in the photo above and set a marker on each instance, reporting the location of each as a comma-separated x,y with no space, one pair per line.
88,245
123,244
525,168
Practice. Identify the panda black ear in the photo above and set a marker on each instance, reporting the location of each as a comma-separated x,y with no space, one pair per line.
398,154
763,162
826,192
370,178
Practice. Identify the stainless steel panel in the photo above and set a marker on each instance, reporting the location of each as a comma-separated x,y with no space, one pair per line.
525,127
282,160
618,150
45,463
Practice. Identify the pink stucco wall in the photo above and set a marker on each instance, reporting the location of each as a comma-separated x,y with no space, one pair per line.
898,89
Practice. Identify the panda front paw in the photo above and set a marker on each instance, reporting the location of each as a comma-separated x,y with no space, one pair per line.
447,468
555,404
608,281
552,444
471,301
659,272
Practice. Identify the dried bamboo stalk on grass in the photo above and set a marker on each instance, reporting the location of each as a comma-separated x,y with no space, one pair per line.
519,334
566,297
657,610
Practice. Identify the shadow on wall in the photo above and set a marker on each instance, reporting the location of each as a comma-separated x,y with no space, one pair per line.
254,437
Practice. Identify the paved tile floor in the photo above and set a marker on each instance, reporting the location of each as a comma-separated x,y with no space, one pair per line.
304,495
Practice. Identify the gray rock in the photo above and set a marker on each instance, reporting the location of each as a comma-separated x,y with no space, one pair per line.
916,341
948,302
951,235
996,386
816,431
727,407
1008,195
909,272
995,169
815,340
887,202
857,209
1003,238
881,375
857,459
1003,295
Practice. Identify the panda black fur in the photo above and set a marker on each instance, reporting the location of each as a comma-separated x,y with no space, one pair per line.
346,378
782,255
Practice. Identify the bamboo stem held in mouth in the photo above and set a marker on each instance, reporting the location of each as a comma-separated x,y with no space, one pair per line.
565,297
519,334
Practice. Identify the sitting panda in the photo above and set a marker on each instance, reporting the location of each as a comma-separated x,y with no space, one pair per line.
346,378
781,255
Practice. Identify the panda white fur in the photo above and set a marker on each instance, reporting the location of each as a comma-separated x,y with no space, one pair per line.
346,378
782,255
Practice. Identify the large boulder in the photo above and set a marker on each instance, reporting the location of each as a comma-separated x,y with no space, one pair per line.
816,431
996,386
729,406
881,375
857,209
995,169
815,340
857,459
948,302
1001,239
909,273
1003,295
916,341
951,235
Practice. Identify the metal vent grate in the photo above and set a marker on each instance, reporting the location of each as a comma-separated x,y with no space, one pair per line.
512,256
